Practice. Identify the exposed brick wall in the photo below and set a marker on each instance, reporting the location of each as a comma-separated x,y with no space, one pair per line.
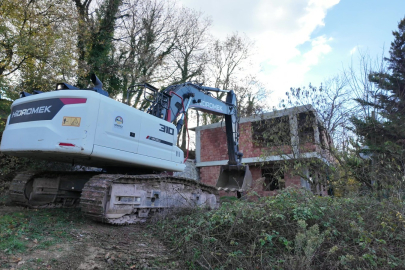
292,180
214,148
258,183
309,147
209,175
257,186
213,145
256,172
246,144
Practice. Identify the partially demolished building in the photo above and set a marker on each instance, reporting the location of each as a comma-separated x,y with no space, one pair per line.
272,145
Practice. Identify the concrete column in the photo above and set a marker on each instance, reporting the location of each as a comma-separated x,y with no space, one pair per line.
295,140
197,145
316,134
304,183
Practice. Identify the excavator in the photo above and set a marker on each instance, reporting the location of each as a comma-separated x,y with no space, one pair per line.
136,150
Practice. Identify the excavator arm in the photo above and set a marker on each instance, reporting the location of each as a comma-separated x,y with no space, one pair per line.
174,101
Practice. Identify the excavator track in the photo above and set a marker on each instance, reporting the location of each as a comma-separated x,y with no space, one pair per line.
48,189
17,188
111,198
128,199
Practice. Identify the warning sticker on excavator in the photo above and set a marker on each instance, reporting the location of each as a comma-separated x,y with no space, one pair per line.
71,121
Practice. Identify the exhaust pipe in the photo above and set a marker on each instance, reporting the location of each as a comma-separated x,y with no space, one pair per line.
96,81
98,85
234,178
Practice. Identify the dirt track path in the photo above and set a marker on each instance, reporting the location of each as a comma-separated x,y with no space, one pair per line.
95,246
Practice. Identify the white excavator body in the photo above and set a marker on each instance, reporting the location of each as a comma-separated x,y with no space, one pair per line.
84,127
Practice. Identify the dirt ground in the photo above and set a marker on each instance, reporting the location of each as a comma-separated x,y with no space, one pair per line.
94,246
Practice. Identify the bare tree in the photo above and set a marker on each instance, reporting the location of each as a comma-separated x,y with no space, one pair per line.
189,57
190,54
145,39
226,69
251,95
228,57
332,102
371,166
360,87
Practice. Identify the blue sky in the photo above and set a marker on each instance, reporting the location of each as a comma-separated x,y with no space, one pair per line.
357,25
303,41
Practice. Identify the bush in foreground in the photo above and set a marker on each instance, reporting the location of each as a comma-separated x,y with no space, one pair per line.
293,230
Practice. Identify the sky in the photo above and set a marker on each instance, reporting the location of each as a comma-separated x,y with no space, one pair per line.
298,42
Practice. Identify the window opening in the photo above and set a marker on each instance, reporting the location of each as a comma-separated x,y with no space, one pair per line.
273,178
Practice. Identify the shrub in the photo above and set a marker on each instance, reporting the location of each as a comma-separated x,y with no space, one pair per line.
293,230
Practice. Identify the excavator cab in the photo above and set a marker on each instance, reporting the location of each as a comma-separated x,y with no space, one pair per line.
234,178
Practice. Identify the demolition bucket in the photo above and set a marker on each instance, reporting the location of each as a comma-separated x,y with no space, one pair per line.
234,178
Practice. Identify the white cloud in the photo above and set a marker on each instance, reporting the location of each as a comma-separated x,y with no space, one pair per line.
279,28
319,48
354,50
286,64
291,73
